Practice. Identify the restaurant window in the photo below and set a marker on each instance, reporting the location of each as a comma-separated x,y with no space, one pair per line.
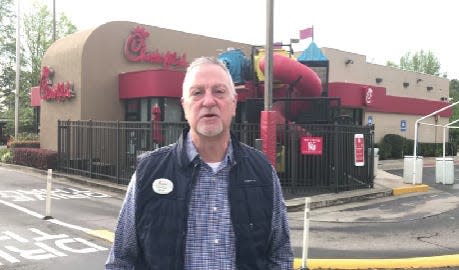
144,110
140,109
172,110
133,110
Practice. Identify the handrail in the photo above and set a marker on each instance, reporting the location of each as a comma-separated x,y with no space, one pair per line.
418,122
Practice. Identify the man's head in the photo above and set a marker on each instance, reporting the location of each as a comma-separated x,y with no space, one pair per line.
209,97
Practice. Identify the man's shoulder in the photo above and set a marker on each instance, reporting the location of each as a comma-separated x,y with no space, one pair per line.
157,153
253,152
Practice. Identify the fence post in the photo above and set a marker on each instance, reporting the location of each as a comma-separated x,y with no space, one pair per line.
90,147
373,154
295,157
67,144
335,157
59,141
117,152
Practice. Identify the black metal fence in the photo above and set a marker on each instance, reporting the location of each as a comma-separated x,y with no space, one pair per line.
108,150
332,165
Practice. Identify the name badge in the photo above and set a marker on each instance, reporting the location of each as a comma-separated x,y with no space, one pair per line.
163,186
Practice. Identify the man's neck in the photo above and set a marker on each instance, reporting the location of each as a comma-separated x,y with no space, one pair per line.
211,149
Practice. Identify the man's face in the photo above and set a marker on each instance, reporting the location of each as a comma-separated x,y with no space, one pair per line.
209,104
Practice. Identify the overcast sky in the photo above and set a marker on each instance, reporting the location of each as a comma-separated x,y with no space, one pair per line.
381,30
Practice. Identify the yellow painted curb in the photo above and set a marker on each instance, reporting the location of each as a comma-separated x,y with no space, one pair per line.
410,189
403,263
104,234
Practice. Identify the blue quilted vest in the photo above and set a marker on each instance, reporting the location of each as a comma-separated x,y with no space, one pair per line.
161,219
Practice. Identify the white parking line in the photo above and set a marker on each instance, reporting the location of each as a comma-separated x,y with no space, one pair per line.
103,234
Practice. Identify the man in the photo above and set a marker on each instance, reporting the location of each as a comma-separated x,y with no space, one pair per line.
207,202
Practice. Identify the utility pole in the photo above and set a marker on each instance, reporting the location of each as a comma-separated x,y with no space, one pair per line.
268,117
18,71
268,95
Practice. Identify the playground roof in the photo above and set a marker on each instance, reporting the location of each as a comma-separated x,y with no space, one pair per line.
312,53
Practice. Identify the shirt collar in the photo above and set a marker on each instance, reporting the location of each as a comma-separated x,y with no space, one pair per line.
192,152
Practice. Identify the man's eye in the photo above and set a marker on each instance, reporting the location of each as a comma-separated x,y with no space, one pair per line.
196,93
219,91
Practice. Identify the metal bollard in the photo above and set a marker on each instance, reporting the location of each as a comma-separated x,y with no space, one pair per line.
304,259
49,183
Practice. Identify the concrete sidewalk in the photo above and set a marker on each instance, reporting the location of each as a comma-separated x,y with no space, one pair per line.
385,184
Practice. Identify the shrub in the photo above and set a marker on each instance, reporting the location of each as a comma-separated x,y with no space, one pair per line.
6,155
385,150
35,157
24,144
395,146
397,143
24,140
27,137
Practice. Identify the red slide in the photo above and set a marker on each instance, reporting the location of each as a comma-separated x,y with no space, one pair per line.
288,71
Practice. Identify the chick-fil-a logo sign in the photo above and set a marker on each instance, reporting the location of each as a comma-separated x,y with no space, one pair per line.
369,96
60,92
135,50
311,145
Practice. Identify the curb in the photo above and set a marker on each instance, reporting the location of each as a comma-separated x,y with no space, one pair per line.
121,189
334,199
400,263
410,189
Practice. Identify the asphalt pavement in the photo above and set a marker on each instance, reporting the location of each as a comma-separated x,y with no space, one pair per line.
329,208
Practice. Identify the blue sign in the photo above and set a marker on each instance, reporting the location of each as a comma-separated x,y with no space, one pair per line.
402,125
370,120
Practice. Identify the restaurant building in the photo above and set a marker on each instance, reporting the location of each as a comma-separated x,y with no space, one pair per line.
123,71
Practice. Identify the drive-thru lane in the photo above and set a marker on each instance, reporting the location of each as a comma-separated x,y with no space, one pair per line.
385,232
73,238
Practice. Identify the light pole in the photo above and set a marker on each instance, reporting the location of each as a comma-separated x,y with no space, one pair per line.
268,93
54,20
18,70
267,119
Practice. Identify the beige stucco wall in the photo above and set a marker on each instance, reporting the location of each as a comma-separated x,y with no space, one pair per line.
64,57
362,72
390,123
93,60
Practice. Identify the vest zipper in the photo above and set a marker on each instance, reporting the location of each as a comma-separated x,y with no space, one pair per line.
249,211
246,196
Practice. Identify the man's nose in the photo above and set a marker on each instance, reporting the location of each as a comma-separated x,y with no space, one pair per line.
208,99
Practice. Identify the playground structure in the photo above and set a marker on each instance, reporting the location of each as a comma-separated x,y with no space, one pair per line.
304,114
299,94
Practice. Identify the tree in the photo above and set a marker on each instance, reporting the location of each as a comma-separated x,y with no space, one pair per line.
37,36
425,62
38,29
7,52
454,94
391,64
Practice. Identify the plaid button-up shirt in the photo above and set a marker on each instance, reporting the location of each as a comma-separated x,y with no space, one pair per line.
210,241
